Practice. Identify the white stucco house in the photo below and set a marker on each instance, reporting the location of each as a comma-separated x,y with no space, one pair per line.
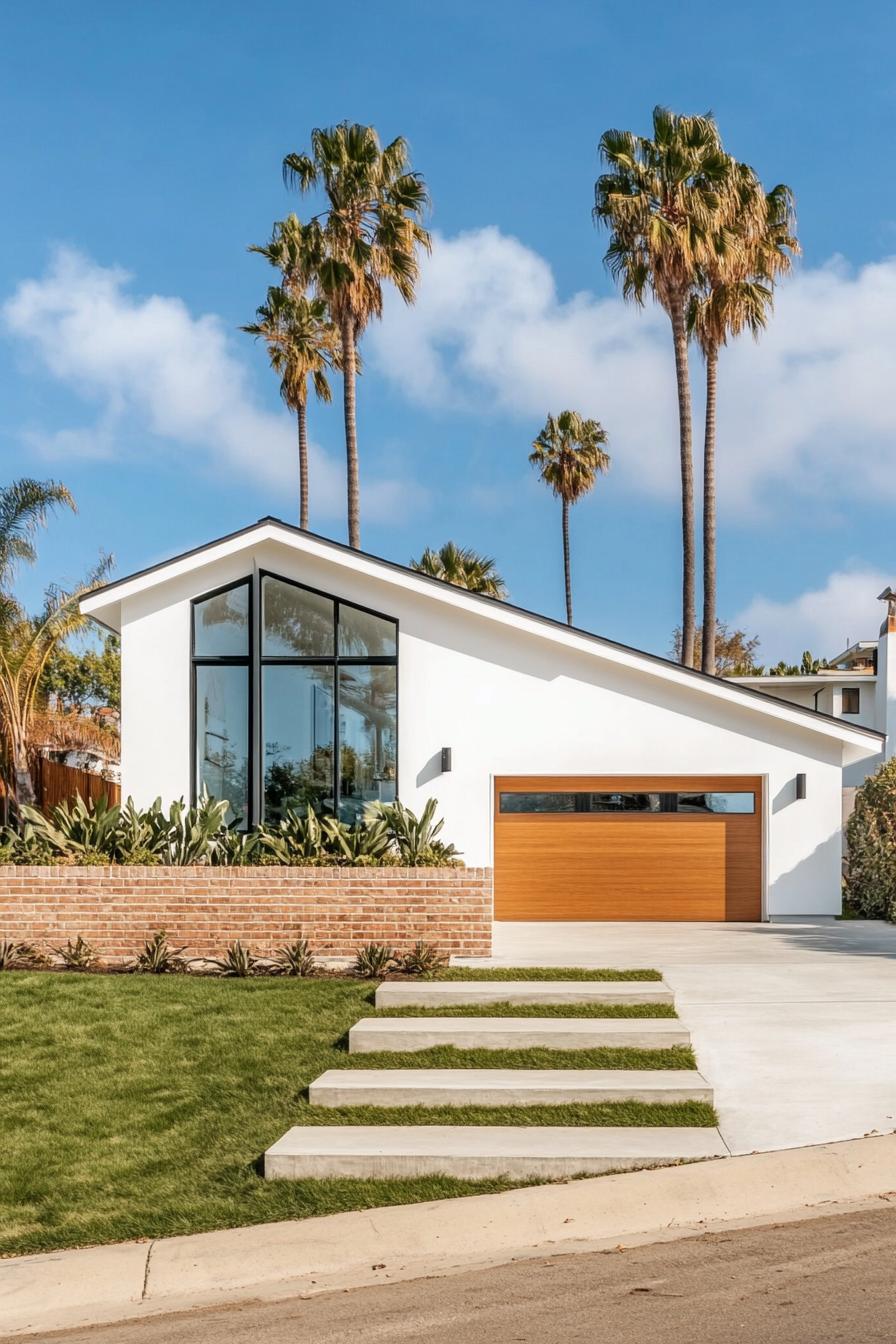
277,668
858,686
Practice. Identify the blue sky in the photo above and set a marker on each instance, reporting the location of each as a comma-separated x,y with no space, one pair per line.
142,154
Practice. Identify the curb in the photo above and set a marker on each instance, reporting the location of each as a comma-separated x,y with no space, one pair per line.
131,1280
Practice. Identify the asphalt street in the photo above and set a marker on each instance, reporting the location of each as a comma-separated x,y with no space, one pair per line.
813,1282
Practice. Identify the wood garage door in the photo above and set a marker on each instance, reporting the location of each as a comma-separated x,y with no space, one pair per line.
628,847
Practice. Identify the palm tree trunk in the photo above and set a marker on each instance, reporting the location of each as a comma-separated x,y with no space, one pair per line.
688,619
351,432
708,659
24,784
566,569
302,418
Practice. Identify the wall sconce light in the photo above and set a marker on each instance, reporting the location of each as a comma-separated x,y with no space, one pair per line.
446,760
801,786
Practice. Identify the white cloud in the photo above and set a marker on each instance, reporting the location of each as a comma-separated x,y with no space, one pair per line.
824,620
810,408
148,365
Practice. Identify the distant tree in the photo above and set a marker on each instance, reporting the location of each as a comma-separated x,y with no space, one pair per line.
806,667
84,679
463,567
735,651
569,455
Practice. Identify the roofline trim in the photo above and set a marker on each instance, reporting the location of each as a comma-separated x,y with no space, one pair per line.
267,527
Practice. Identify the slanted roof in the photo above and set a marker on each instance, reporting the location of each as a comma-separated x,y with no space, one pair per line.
104,604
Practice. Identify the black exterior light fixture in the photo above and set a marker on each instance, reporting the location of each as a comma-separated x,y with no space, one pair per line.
801,786
446,760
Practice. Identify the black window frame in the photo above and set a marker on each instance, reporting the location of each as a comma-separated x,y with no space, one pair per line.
256,661
224,660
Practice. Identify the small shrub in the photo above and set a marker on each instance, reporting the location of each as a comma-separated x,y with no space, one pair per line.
373,960
870,884
423,959
77,955
159,957
17,956
295,959
237,962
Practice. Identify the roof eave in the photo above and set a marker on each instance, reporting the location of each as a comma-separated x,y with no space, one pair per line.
105,604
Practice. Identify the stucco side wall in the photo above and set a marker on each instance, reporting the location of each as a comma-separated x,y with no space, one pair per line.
506,703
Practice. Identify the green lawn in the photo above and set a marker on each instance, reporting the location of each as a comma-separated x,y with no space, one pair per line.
140,1106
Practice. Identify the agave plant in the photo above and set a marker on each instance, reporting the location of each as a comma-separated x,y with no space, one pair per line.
295,839
194,832
415,838
295,959
237,963
372,961
423,959
158,957
77,828
141,834
364,840
15,956
237,849
77,955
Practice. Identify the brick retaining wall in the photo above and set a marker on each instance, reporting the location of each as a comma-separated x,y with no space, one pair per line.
336,909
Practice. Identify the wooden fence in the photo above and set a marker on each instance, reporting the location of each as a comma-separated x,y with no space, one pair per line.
55,783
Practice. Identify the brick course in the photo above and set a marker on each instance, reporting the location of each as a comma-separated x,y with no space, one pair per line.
336,909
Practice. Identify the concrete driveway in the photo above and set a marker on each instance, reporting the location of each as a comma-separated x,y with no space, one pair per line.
794,1023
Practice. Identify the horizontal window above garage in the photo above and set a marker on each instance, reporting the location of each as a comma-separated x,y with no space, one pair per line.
567,801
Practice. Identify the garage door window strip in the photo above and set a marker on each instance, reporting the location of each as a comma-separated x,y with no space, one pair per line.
640,804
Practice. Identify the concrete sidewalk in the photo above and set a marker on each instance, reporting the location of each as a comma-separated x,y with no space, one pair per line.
794,1023
68,1289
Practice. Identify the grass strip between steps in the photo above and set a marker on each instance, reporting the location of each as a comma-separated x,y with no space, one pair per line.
535,1057
540,973
631,1114
590,1010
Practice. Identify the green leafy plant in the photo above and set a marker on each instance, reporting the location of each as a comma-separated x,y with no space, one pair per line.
423,959
870,885
295,839
77,955
237,963
365,841
16,956
415,838
79,829
158,957
295,959
372,961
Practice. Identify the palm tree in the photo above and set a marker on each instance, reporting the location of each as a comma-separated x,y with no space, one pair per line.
735,293
463,567
24,507
569,455
662,199
301,343
370,233
26,645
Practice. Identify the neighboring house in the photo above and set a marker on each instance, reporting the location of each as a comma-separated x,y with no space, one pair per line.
277,668
858,686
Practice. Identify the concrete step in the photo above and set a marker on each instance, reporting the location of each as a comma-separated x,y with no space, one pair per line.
504,1087
441,993
514,1033
477,1151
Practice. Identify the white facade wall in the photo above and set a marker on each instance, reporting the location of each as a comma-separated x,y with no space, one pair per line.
506,702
